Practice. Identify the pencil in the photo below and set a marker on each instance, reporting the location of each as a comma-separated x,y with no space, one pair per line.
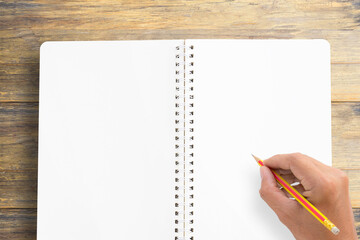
303,201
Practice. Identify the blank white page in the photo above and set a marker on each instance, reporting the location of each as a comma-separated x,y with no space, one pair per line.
106,134
253,96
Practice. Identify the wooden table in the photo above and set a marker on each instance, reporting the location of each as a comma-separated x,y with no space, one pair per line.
25,24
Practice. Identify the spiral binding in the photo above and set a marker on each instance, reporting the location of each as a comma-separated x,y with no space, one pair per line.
184,142
189,141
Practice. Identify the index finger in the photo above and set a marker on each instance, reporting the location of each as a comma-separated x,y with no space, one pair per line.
299,164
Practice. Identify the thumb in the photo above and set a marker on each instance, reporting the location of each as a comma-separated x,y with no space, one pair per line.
270,192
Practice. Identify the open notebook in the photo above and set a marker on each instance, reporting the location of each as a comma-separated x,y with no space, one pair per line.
153,139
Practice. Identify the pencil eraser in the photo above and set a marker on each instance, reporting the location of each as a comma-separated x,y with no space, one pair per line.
335,230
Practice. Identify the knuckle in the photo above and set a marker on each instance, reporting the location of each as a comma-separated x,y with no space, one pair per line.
328,185
333,184
263,192
298,155
342,177
275,157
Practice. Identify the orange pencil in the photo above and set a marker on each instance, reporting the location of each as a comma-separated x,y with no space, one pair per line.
303,201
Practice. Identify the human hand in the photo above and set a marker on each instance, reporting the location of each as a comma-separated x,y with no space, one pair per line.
325,187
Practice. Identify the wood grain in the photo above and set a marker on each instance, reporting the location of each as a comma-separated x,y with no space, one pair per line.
345,82
354,179
357,220
18,136
346,135
26,24
18,224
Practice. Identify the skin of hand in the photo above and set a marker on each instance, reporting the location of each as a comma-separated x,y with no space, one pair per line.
325,187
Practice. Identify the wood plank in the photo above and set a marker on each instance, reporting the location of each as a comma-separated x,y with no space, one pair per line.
354,181
18,136
193,14
25,25
357,220
18,189
345,82
20,224
346,135
18,154
19,82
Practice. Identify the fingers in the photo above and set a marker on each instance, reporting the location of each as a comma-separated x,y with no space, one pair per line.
300,165
279,161
283,172
276,198
270,192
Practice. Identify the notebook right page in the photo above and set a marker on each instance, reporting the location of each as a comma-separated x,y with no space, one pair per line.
260,97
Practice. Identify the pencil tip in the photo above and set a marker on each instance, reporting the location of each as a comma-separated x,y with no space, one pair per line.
256,159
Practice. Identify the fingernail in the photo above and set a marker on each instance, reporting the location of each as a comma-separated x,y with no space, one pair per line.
261,172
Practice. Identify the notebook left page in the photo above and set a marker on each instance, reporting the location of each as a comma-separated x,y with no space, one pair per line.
106,140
